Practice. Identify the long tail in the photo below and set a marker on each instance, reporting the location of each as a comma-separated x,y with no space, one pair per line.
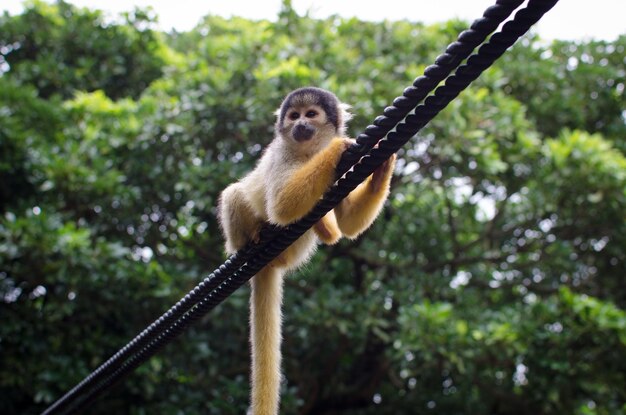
265,339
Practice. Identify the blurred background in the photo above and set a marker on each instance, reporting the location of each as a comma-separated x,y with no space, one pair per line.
493,282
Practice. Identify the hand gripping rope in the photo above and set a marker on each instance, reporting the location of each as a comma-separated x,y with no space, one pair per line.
408,114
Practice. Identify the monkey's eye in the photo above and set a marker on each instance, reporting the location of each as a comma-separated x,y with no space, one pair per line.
311,114
294,116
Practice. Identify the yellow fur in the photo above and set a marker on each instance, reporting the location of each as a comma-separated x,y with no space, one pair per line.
304,188
291,177
327,229
359,209
265,337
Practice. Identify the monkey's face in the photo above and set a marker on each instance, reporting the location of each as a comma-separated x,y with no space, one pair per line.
309,118
306,123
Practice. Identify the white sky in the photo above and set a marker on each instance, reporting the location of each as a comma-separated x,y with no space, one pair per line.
569,19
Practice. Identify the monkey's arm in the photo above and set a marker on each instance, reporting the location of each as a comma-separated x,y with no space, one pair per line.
297,196
359,209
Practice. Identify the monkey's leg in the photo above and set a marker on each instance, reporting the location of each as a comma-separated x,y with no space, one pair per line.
327,229
237,218
299,194
359,209
266,337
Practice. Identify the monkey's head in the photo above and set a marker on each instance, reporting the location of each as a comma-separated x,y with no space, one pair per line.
311,117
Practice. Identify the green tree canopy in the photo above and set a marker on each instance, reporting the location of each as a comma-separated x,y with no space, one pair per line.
59,49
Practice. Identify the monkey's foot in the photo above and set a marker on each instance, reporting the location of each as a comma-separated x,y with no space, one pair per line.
255,233
279,262
328,233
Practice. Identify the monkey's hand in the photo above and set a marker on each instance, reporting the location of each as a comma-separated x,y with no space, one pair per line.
324,163
359,209
381,176
306,186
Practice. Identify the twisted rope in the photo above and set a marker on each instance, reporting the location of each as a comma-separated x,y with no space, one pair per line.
357,163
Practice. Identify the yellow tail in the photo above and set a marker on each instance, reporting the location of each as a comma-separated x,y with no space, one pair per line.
265,339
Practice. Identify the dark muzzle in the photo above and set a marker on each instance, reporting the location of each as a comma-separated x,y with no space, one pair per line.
303,132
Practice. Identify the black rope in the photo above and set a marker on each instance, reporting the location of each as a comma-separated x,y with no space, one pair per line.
240,267
454,54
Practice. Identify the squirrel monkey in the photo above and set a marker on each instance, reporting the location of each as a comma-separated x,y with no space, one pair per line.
297,167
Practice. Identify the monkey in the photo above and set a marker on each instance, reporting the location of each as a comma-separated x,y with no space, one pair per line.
293,173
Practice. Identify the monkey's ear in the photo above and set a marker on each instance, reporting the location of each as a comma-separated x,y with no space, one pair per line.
346,115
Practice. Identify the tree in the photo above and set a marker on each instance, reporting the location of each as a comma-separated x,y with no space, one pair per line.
61,49
571,85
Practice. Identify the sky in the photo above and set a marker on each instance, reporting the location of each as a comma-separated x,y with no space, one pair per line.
568,20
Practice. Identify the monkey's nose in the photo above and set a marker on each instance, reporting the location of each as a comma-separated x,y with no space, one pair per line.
303,132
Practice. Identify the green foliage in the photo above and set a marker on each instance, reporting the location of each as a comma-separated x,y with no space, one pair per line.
491,284
60,49
569,84
542,357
